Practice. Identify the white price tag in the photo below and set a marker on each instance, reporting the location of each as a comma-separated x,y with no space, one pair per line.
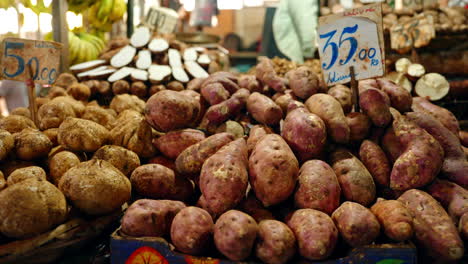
163,20
351,38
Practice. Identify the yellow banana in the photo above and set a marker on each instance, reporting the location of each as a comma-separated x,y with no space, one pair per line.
118,10
105,8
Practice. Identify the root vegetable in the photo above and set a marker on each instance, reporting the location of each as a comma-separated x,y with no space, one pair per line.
175,142
156,88
140,37
139,89
144,59
395,219
123,57
180,75
443,115
204,59
31,144
359,126
256,134
139,75
376,105
103,74
120,74
190,54
175,59
343,95
303,82
432,86
195,84
453,198
399,97
265,72
158,45
263,109
401,80
121,87
65,80
376,162
195,69
276,243
175,86
159,73
402,65
104,88
86,66
416,71
250,83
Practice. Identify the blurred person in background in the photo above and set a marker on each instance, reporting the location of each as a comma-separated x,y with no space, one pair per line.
15,94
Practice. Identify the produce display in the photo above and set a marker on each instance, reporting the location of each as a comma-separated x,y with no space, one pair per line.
270,166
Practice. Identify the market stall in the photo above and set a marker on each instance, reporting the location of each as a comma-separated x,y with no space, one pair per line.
152,148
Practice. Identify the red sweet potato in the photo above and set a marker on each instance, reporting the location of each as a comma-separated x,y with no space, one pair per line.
443,115
452,197
359,125
395,219
373,157
214,93
331,112
303,82
391,145
344,95
265,72
317,187
374,103
464,138
273,170
263,109
250,83
400,98
174,142
257,132
433,228
305,133
276,243
253,207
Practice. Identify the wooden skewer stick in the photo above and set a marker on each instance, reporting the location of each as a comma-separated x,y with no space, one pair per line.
32,94
354,88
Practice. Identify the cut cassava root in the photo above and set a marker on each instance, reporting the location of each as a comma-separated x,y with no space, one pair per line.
86,66
123,57
432,86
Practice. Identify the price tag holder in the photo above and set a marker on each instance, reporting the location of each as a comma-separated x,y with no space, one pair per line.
353,38
17,54
161,19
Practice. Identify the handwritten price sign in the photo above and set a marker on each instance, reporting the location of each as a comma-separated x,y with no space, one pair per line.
352,38
43,56
161,19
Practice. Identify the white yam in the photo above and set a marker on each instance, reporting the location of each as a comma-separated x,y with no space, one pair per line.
195,70
400,79
123,57
190,54
432,86
140,37
120,74
87,66
158,45
144,59
416,70
180,75
139,75
204,59
85,74
98,75
401,65
159,73
174,58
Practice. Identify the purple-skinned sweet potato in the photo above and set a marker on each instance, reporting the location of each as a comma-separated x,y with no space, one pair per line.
191,230
253,207
433,228
234,235
376,162
443,115
189,163
344,95
273,170
250,83
195,84
263,109
391,145
318,187
315,232
359,126
303,82
355,180
331,112
400,98
455,165
375,104
265,72
305,133
276,243
257,132
214,93
224,178
226,79
357,224
452,197
463,226
284,99
154,181
421,159
220,113
394,218
173,143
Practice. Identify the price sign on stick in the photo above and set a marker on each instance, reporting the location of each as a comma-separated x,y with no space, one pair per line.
353,38
161,19
43,57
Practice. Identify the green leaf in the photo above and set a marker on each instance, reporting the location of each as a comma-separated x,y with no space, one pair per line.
391,261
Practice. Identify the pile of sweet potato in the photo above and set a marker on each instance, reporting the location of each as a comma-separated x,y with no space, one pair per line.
282,167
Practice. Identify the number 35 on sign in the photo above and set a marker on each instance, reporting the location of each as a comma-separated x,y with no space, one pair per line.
352,38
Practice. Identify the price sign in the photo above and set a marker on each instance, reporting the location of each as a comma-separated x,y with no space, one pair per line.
352,39
417,33
161,19
43,56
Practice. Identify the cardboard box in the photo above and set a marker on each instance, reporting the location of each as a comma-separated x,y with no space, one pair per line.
154,250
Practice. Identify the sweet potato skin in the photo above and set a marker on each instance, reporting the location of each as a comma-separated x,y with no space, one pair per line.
455,165
189,163
395,219
174,142
223,178
253,207
433,228
463,226
305,133
219,113
452,197
391,145
400,98
359,126
265,72
303,82
257,132
357,225
154,181
168,110
343,95
355,180
214,93
315,232
191,230
330,111
250,83
263,109
373,157
375,105
234,234
318,187
276,243
443,115
463,138
150,217
273,170
421,159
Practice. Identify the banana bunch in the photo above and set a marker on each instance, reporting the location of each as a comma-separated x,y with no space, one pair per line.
104,13
78,6
5,4
82,46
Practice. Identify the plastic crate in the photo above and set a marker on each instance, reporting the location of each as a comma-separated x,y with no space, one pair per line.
153,250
